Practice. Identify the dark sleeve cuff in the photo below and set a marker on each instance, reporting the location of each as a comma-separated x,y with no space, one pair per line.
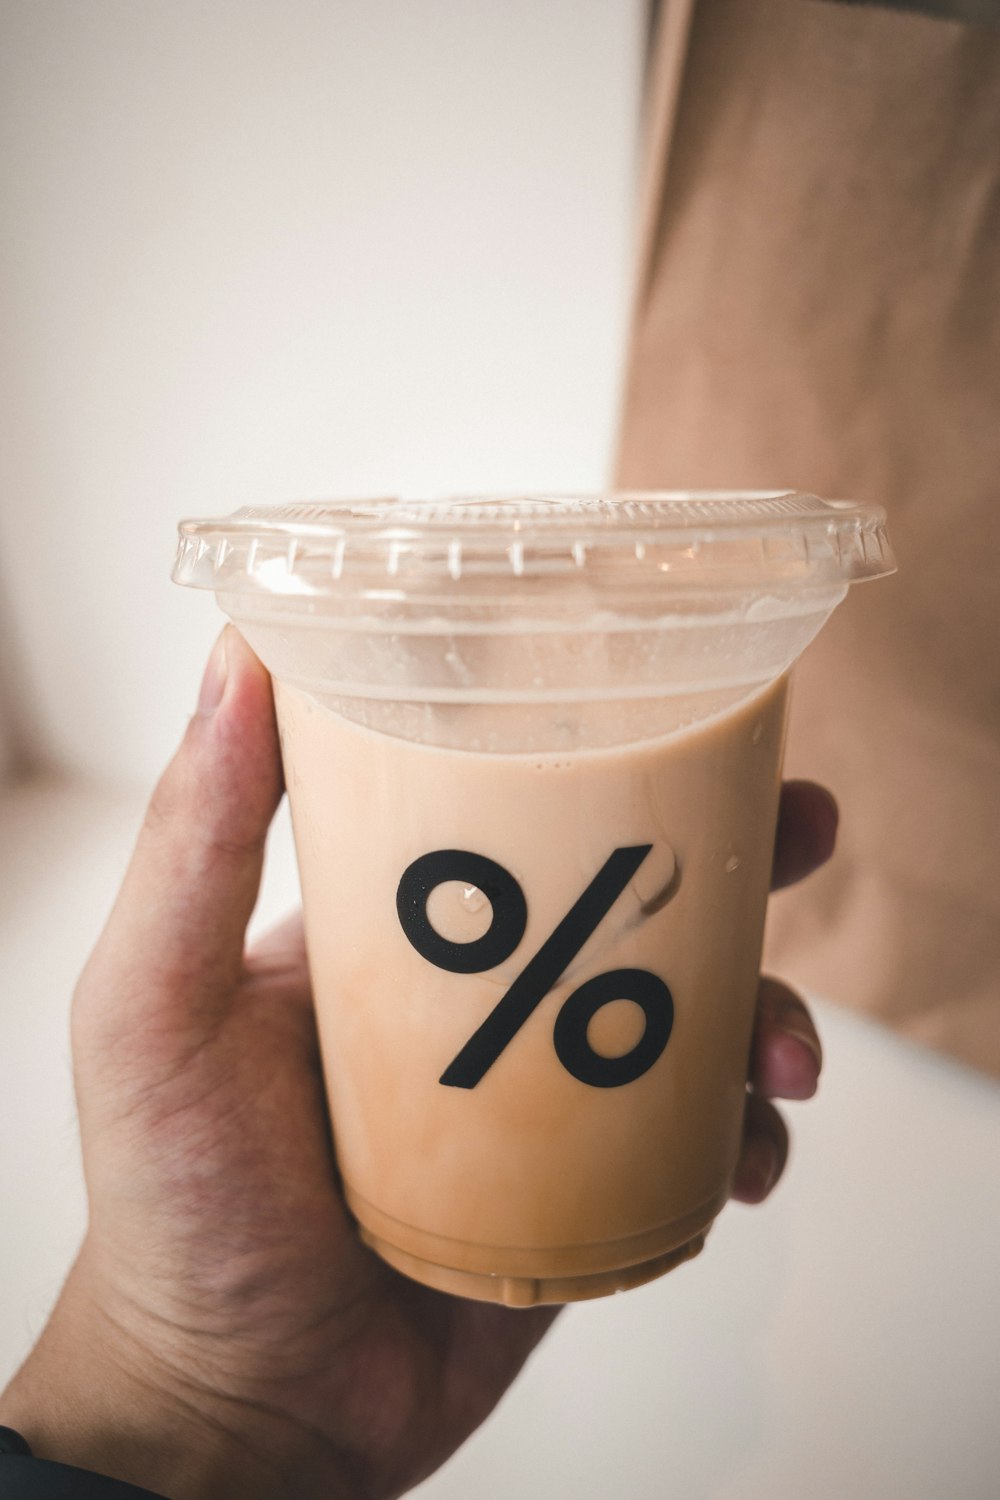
36,1479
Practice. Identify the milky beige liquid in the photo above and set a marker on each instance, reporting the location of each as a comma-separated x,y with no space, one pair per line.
533,1185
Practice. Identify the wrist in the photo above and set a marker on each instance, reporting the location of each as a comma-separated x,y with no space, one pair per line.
91,1396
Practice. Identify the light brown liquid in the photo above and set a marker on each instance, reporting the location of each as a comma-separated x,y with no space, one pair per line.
534,1185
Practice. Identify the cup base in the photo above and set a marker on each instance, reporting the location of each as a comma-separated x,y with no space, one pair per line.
529,1291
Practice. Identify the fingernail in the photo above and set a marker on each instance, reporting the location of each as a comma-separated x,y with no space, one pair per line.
213,684
805,1038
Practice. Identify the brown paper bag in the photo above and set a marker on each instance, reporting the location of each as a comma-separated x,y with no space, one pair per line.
818,308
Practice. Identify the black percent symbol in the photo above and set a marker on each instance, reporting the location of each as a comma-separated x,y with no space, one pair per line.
542,972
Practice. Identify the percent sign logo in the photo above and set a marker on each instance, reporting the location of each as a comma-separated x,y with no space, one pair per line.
542,972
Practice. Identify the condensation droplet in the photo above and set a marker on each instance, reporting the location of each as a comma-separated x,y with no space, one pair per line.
473,898
459,911
758,733
732,863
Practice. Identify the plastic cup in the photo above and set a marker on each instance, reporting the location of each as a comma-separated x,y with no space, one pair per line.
533,754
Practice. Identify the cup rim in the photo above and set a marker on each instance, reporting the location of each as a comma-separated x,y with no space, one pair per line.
662,539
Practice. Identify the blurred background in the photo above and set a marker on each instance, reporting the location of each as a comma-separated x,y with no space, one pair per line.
256,252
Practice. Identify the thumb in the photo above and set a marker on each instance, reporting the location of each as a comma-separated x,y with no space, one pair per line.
172,949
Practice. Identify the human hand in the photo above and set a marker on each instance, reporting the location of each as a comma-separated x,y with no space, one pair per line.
223,1331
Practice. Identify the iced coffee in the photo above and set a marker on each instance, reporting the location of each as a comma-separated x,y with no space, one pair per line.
533,752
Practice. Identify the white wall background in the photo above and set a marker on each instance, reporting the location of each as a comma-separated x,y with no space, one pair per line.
257,250
261,250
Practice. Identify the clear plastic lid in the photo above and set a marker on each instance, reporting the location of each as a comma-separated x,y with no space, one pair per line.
651,546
